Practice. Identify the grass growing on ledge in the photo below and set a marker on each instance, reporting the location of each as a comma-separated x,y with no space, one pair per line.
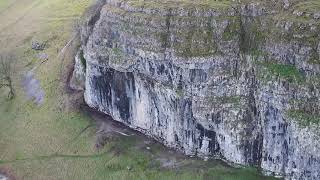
235,100
309,6
117,56
196,43
287,72
304,118
315,58
232,30
180,92
167,4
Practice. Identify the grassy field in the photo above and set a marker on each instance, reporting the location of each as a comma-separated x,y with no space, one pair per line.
43,142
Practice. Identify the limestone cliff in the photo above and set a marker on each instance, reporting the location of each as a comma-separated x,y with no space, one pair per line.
235,80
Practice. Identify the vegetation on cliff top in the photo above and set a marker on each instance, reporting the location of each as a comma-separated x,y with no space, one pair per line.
167,4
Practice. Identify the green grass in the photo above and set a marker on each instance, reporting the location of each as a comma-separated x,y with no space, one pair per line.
180,92
310,6
225,100
4,4
287,72
192,42
239,174
231,31
304,118
43,142
167,4
117,56
195,42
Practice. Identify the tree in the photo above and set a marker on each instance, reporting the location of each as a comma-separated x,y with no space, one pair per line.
6,73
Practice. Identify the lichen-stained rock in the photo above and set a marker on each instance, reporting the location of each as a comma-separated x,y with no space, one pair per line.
232,80
77,80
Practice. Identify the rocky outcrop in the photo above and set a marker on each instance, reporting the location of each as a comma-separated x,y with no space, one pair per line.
232,80
2,177
77,81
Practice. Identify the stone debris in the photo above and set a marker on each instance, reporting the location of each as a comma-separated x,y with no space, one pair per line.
298,13
43,56
316,15
39,46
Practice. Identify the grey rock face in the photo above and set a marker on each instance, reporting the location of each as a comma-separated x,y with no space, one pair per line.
216,80
78,77
2,177
38,45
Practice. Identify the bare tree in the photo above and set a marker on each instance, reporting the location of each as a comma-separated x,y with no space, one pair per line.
6,73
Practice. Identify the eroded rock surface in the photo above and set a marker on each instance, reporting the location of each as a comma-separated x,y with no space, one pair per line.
2,177
232,80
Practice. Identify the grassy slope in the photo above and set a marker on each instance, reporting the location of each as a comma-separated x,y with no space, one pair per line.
35,142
